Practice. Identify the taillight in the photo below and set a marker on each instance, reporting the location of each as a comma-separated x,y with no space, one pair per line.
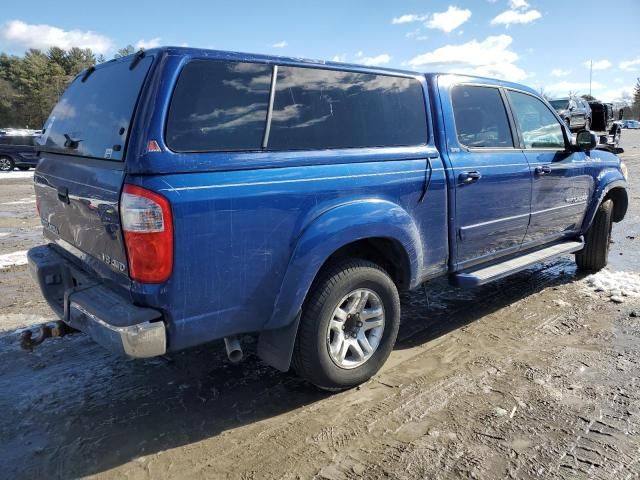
148,234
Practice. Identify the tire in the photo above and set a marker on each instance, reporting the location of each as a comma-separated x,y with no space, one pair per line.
317,352
6,164
23,168
594,255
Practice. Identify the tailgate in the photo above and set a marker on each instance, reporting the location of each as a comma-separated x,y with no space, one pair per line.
78,203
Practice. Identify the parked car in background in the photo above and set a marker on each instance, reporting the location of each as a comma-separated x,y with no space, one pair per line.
630,124
17,149
575,112
227,194
602,116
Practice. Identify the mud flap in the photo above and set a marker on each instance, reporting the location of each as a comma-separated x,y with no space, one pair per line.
275,347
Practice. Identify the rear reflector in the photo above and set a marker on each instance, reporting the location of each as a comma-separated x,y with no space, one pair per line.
148,234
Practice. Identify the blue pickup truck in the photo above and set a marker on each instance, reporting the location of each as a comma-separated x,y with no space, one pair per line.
193,195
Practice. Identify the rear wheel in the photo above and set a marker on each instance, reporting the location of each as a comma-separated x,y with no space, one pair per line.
6,164
349,325
594,255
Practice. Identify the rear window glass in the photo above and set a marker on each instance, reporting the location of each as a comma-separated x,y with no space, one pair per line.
93,117
219,106
481,118
318,109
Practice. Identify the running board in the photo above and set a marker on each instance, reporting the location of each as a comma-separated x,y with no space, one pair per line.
494,272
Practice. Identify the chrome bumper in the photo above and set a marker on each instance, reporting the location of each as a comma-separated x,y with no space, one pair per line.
85,304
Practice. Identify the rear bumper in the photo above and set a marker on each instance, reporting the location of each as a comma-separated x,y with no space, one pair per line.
84,303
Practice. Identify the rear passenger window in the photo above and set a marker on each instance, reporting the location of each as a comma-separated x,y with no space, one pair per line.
218,106
481,118
318,109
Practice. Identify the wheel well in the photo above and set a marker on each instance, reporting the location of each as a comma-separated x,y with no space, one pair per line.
387,253
620,202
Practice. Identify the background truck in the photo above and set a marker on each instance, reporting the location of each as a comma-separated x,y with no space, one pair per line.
192,195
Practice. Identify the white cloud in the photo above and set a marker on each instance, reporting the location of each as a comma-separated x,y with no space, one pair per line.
505,71
281,44
450,20
630,65
510,17
598,64
409,18
615,95
566,87
25,35
339,58
493,49
381,59
489,57
518,4
147,44
558,72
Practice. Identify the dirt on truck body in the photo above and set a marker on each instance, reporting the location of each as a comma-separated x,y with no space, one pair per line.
534,376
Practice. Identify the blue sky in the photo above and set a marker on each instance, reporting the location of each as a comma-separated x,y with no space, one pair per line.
542,43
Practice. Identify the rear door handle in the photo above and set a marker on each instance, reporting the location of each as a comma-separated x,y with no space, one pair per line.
469,177
543,170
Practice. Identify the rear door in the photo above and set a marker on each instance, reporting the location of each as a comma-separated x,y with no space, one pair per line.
492,176
81,172
561,183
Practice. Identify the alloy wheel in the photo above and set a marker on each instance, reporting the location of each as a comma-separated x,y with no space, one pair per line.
355,328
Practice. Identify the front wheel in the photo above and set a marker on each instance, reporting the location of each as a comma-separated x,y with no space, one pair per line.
349,325
6,164
595,254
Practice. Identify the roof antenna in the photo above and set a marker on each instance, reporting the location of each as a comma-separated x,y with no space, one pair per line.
136,59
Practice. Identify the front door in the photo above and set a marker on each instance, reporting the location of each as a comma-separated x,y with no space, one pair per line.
561,183
492,179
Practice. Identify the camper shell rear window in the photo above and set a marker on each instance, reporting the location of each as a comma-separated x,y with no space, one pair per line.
93,117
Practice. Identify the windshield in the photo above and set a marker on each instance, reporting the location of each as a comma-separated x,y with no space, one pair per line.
92,118
559,104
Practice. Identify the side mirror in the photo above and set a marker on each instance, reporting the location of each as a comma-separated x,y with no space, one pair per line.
586,141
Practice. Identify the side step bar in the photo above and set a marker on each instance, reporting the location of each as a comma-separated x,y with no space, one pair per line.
488,274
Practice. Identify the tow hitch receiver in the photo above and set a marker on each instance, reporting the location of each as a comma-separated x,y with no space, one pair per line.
56,329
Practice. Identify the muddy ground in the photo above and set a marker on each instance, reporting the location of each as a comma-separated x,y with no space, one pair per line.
536,376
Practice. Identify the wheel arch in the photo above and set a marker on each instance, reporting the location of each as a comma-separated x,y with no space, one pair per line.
376,230
612,186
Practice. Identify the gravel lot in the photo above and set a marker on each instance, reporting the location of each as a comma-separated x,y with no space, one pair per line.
536,376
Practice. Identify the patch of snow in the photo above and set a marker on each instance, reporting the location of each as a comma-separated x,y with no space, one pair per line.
4,234
14,258
616,285
16,174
